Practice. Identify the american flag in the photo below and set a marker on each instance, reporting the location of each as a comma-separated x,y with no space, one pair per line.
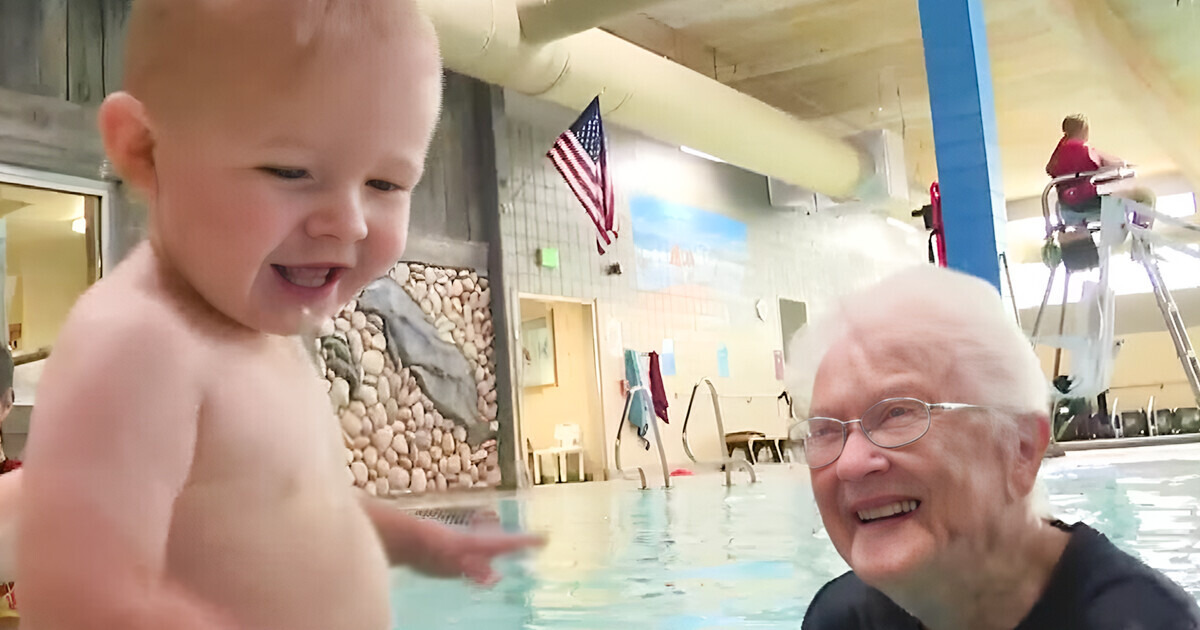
580,154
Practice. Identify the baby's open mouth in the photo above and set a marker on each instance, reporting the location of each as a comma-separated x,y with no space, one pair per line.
307,277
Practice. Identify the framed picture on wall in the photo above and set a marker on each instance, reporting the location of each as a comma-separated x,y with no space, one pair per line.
537,349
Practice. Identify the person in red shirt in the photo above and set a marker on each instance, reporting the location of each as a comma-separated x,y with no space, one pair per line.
1073,155
1079,201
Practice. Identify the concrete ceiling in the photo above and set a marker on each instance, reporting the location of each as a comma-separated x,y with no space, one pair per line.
1133,66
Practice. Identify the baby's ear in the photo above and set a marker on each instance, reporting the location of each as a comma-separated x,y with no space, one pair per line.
129,141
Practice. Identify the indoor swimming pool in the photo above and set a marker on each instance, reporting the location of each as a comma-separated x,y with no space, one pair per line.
700,556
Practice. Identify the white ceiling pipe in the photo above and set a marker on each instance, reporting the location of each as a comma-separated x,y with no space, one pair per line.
644,92
547,20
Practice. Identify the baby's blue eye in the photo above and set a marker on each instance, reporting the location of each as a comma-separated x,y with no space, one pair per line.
286,173
382,186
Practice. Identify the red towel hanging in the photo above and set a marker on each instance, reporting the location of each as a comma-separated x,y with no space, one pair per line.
657,392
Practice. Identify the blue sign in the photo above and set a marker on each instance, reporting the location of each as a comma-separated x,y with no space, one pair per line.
667,358
723,361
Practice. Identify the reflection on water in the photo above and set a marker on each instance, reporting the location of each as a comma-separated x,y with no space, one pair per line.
752,556
1148,508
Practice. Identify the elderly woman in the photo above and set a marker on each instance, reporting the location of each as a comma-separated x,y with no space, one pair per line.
924,431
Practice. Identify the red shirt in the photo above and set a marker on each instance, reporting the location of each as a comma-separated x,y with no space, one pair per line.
9,465
1073,156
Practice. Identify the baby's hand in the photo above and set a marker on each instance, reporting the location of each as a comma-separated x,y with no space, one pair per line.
453,553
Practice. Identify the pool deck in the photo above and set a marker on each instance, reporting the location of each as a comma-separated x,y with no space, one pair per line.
469,498
1161,451
1132,442
1099,452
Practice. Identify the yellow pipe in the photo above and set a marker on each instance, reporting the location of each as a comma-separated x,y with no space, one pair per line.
544,21
644,92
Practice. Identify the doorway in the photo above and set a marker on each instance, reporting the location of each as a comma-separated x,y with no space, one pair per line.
50,253
793,315
560,409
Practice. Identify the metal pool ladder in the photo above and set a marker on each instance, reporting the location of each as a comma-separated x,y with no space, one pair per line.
727,461
662,455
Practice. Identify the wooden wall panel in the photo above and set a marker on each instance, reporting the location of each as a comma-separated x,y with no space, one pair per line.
114,16
33,51
85,51
49,134
450,203
68,49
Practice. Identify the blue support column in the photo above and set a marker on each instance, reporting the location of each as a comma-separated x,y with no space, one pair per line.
964,133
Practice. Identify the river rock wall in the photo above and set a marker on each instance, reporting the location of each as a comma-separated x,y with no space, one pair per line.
410,368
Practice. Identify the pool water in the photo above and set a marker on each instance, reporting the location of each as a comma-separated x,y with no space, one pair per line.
1146,500
702,556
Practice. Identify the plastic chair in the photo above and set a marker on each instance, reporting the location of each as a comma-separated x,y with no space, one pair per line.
567,436
1164,421
1189,419
1135,423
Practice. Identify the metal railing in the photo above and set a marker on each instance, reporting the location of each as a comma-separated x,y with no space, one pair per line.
727,461
1135,226
662,455
1055,224
1096,178
1170,311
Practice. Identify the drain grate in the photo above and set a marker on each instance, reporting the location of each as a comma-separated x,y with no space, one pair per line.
458,516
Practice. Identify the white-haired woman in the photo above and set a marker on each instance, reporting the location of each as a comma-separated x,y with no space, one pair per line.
926,423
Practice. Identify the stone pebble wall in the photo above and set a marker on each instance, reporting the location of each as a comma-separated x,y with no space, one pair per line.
397,441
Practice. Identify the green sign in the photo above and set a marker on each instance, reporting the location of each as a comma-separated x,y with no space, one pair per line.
548,258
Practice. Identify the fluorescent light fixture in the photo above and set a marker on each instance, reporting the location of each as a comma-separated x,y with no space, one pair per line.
897,223
701,154
79,226
1178,206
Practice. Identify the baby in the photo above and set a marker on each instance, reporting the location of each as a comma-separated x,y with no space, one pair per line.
184,471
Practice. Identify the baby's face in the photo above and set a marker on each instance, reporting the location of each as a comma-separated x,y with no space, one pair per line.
276,203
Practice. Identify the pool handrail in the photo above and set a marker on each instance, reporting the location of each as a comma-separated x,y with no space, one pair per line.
662,455
727,461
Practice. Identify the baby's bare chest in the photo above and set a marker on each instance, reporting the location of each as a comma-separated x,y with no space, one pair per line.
265,415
